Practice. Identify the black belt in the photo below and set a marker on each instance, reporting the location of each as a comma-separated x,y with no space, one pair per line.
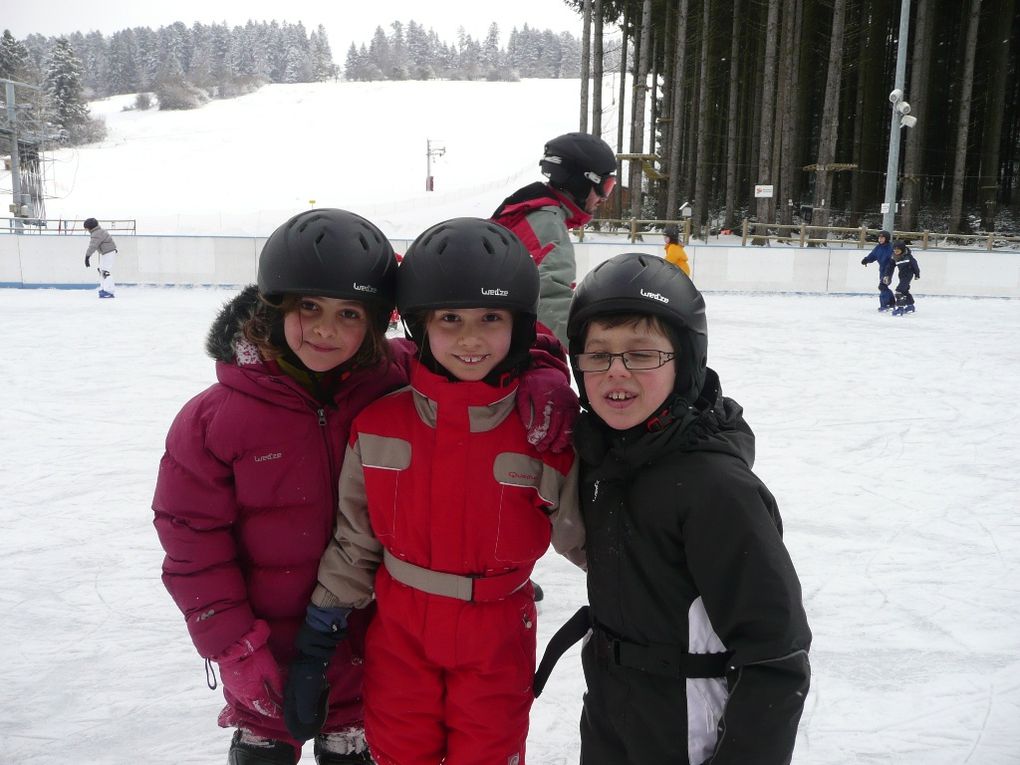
664,660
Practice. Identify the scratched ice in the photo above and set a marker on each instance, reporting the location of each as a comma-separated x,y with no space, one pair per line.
890,443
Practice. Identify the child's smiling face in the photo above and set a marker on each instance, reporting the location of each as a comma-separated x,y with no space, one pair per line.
624,398
325,332
470,342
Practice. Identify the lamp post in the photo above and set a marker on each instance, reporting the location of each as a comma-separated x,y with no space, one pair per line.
431,150
900,118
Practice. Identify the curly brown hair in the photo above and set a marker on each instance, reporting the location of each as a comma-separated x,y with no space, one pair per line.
258,330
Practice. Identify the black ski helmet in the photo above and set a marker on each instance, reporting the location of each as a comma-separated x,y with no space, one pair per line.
672,231
578,163
469,263
90,223
330,253
639,283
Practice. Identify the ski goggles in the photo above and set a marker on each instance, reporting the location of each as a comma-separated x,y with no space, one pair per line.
604,184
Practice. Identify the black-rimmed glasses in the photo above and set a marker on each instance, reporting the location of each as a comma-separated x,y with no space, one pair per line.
635,361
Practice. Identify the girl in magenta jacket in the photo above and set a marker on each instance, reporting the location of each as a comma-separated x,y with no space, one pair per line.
246,495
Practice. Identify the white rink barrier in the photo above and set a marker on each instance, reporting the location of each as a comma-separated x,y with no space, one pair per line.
58,262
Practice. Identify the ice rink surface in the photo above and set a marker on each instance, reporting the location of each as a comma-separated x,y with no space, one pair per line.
892,445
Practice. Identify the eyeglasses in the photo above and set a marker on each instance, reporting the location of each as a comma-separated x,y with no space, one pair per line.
634,361
604,185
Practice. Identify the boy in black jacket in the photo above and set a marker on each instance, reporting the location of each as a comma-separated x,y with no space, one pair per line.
699,646
903,261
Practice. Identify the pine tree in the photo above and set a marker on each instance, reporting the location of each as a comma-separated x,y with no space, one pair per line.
379,52
323,67
13,58
123,63
64,88
352,65
491,62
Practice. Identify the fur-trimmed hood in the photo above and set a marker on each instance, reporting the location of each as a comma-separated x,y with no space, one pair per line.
225,341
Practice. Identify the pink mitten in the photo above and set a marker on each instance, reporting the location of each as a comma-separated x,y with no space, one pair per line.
250,673
547,406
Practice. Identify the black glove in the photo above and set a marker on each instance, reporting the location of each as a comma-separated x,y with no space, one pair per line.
87,264
864,260
306,696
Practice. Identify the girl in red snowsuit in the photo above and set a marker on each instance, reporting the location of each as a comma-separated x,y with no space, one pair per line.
444,509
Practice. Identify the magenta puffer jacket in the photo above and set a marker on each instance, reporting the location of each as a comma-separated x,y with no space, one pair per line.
246,495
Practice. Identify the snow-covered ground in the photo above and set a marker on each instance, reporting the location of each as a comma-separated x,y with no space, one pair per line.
891,445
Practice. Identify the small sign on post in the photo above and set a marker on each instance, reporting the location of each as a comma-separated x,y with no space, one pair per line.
763,191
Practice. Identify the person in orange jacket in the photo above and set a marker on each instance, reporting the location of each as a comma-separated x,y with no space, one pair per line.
674,250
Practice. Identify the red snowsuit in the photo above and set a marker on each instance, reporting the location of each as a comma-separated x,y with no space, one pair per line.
439,480
244,506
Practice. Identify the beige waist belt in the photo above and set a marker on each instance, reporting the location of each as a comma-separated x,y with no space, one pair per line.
469,588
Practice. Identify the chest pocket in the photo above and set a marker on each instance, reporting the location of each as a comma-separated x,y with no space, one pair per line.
285,474
385,462
527,487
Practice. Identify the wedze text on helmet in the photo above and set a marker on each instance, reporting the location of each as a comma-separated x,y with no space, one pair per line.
365,287
496,291
655,296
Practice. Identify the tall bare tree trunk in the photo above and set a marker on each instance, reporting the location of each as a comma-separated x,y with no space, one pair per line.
732,120
785,97
963,118
597,77
654,105
997,51
665,120
792,151
585,62
768,105
701,155
830,114
640,93
920,69
621,113
674,168
872,115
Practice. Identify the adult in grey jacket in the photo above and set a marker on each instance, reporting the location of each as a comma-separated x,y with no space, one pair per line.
581,171
102,243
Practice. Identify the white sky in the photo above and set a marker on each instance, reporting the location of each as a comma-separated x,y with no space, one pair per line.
345,21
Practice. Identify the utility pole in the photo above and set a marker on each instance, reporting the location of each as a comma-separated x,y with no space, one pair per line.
12,121
25,175
430,152
900,118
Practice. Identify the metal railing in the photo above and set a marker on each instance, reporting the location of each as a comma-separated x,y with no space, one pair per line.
858,237
61,226
635,228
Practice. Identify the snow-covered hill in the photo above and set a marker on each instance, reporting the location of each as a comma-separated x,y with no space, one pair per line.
244,165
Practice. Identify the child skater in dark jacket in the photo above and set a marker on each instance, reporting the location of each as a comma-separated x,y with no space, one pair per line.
699,649
905,264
